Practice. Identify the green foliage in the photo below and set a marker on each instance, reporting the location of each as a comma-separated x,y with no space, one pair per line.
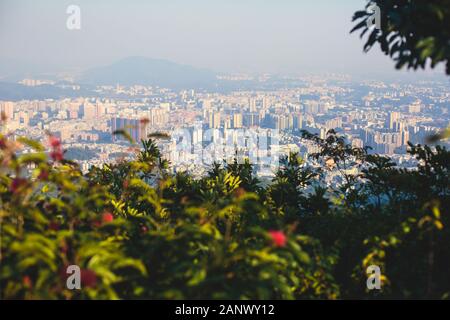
137,231
413,33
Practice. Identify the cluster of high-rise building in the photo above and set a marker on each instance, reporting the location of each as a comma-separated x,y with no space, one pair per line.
384,117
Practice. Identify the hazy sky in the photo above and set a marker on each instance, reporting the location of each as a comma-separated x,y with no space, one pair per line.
281,36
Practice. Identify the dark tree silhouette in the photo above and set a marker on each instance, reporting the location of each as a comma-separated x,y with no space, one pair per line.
414,33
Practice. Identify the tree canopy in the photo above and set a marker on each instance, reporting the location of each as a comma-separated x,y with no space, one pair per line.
414,33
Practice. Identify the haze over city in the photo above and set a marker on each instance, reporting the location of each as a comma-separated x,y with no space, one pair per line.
284,37
224,150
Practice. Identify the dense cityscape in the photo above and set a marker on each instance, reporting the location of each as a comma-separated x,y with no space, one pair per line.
211,158
261,124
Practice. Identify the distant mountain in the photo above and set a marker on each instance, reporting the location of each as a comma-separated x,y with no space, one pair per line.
152,72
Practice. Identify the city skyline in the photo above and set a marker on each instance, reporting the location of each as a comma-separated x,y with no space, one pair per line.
209,124
232,150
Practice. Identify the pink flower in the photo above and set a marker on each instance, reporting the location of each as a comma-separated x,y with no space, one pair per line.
57,155
107,217
27,281
88,278
279,239
54,141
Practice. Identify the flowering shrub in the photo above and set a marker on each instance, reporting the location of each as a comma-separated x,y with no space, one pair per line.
132,242
137,231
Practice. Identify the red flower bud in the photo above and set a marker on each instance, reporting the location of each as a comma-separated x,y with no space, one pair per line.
57,155
88,278
107,217
62,272
279,239
54,141
27,281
